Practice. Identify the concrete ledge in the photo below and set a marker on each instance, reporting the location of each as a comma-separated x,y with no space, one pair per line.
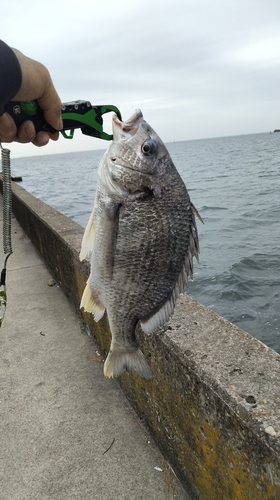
214,403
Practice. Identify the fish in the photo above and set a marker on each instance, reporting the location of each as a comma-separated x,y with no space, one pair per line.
141,238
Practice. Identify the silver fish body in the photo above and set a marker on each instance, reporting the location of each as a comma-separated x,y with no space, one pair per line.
142,237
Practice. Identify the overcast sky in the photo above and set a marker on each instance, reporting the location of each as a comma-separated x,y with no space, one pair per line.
196,68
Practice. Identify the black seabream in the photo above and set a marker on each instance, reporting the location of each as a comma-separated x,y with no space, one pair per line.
142,238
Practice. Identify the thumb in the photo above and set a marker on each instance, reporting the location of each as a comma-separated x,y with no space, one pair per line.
37,84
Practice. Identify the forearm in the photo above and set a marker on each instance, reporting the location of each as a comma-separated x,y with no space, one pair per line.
10,75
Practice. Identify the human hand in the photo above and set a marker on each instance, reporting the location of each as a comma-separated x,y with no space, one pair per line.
36,85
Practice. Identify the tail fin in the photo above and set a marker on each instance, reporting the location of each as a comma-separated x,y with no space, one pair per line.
121,359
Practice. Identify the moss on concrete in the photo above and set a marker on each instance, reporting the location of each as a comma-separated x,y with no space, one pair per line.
213,405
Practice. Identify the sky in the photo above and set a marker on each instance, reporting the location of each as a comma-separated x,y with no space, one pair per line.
196,68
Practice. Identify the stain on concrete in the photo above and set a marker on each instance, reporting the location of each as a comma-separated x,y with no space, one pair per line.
213,405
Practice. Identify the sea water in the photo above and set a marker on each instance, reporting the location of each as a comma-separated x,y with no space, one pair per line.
234,184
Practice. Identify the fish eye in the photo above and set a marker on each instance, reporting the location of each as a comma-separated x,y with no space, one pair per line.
148,148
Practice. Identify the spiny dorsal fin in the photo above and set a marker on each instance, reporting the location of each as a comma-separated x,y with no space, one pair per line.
196,214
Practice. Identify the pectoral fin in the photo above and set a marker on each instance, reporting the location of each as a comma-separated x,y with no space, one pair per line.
110,224
88,238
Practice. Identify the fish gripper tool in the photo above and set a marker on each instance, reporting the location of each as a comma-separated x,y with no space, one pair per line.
75,115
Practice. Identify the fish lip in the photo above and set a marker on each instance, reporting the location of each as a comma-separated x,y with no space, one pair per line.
133,120
124,130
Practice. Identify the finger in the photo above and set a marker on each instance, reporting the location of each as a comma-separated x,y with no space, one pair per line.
42,138
51,105
54,137
8,129
53,117
26,132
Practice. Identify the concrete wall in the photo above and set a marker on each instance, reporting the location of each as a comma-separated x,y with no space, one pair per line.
214,403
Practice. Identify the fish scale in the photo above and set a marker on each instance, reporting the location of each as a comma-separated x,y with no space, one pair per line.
142,236
153,247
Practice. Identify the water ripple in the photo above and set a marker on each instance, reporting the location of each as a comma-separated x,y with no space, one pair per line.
234,183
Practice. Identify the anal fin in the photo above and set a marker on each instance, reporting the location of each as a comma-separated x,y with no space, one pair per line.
90,305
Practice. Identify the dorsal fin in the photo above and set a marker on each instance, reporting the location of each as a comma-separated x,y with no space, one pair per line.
165,312
167,309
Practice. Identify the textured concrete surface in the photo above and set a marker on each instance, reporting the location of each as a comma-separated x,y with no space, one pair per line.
213,405
65,431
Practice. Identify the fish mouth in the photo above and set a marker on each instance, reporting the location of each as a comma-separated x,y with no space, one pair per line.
127,129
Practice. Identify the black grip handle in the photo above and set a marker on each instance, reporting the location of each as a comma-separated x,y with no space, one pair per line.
22,111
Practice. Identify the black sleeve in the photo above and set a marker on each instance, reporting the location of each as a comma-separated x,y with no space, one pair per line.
10,75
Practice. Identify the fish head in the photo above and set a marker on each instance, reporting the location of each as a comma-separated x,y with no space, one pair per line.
135,158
